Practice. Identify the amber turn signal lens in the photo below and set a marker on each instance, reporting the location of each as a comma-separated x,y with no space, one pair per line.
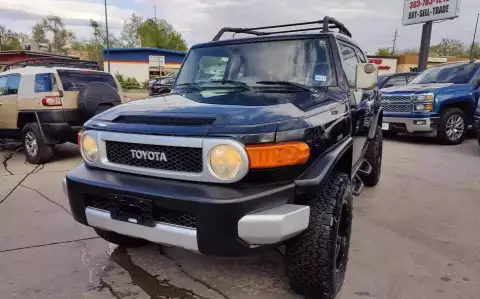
277,155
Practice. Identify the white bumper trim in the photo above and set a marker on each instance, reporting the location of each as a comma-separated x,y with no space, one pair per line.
274,225
161,233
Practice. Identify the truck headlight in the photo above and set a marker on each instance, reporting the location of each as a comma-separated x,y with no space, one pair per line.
225,161
88,147
429,97
423,107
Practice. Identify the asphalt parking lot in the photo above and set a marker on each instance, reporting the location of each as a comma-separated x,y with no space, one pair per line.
416,235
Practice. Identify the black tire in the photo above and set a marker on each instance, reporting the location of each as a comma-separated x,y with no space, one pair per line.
390,134
119,239
313,269
442,135
374,157
44,152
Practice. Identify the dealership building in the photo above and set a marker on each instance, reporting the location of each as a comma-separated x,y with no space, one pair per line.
142,63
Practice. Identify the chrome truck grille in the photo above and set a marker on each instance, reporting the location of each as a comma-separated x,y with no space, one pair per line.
396,103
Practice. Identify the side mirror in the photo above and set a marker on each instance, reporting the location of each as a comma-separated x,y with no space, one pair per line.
366,76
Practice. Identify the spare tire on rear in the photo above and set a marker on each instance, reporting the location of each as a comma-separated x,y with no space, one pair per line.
97,97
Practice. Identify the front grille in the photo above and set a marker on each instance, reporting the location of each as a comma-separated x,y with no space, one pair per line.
175,217
396,99
160,214
182,159
397,108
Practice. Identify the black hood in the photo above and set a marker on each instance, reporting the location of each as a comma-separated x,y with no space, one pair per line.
227,108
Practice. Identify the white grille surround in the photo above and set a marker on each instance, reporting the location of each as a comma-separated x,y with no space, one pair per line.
204,143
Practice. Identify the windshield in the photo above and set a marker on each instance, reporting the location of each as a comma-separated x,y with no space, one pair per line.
455,73
271,64
380,80
76,80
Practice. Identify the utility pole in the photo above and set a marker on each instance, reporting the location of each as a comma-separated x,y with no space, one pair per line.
394,41
425,46
156,37
474,35
108,42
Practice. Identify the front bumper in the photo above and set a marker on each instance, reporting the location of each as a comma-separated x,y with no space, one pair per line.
228,220
423,126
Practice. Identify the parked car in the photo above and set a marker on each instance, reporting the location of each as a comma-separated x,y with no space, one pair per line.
161,85
439,103
397,79
270,155
44,105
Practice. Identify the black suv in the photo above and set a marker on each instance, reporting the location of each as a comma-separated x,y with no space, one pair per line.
262,142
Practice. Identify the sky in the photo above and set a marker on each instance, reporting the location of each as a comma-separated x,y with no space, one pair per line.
372,22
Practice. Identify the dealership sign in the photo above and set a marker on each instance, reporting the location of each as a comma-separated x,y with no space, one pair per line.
385,65
154,60
422,11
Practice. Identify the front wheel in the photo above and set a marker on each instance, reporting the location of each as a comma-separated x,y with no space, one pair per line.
317,258
452,128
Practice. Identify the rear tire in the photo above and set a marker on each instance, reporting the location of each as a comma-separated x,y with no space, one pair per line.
317,258
119,239
35,149
452,128
374,158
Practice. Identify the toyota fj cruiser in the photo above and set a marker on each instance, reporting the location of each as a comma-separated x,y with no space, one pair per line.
46,101
269,155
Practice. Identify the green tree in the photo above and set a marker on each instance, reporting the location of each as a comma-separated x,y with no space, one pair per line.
383,52
129,35
412,51
448,47
9,40
160,34
61,37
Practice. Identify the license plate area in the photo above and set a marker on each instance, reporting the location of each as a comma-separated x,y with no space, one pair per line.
132,210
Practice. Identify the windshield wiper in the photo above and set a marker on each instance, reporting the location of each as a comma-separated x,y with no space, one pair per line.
237,83
287,83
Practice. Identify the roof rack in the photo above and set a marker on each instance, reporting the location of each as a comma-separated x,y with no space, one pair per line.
54,62
327,23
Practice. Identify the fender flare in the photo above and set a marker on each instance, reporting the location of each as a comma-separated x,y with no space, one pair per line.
323,166
373,127
45,138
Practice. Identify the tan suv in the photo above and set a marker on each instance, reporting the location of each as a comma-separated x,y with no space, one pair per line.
45,106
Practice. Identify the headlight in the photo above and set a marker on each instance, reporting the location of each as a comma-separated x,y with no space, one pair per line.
429,97
225,161
423,107
89,148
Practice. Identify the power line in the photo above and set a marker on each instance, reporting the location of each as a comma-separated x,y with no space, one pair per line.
474,35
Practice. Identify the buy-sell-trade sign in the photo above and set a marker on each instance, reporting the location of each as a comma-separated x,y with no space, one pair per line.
422,11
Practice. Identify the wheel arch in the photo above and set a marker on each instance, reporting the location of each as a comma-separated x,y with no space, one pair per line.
25,117
465,105
338,158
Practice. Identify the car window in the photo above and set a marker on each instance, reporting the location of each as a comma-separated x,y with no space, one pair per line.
44,82
76,80
449,73
3,85
397,81
349,62
410,78
307,62
212,68
13,83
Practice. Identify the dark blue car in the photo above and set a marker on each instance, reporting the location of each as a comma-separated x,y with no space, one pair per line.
439,102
